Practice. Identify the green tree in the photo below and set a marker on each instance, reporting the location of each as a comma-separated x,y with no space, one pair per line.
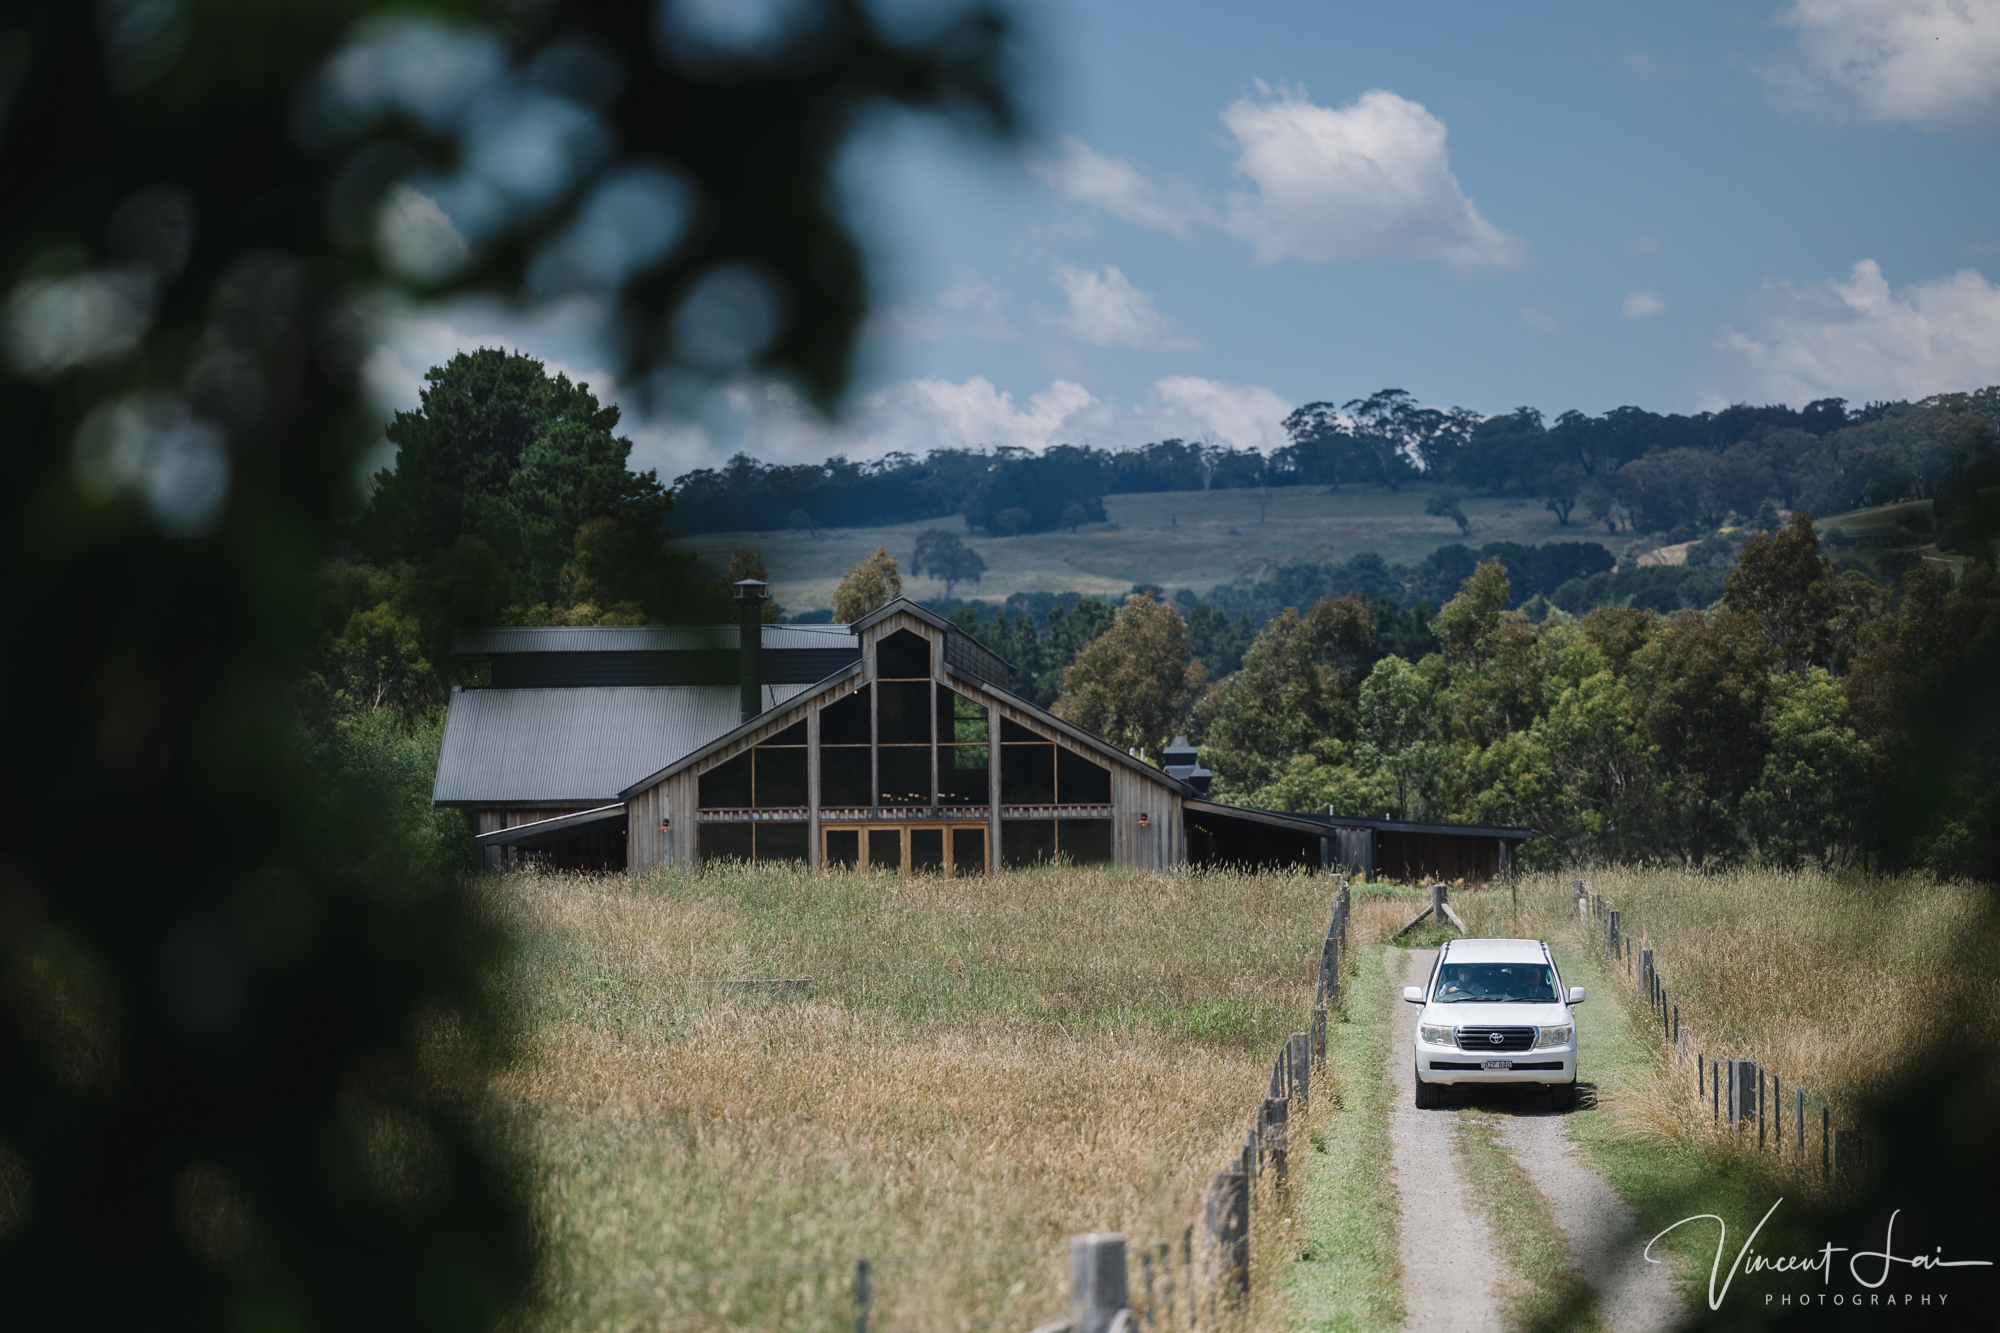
1134,683
1788,590
249,1037
869,586
500,450
1466,624
1441,505
945,556
462,586
1810,802
1700,687
1306,783
1399,734
1294,695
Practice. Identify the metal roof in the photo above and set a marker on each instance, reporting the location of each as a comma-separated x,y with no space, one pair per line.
1408,826
541,831
640,638
582,745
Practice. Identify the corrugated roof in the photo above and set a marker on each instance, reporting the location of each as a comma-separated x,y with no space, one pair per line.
640,638
1409,826
579,744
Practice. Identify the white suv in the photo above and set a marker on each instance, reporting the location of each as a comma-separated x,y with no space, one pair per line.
1495,1012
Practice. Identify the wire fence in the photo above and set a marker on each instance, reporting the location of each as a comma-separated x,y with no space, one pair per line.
1738,1094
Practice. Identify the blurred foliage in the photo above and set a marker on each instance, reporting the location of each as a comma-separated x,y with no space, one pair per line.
245,1023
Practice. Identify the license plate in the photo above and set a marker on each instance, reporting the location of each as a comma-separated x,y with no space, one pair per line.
1498,1064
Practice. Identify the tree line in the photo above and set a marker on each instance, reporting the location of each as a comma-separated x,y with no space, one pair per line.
1813,715
1628,469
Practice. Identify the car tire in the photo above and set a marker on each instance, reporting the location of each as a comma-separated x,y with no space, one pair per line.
1562,1097
1429,1095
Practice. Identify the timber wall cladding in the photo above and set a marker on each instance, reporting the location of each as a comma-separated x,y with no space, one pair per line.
1157,845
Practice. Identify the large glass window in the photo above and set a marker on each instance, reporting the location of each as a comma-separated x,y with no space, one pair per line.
1034,770
903,656
727,785
846,774
903,715
962,750
754,842
1024,842
769,776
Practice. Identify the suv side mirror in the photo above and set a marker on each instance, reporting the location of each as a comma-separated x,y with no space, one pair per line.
1576,995
1413,994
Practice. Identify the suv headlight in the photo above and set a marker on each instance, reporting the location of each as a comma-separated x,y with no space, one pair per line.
1558,1036
1437,1034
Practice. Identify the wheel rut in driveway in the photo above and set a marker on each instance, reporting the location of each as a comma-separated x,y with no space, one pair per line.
1452,1271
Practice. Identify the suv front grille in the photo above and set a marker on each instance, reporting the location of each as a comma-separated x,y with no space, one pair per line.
1496,1039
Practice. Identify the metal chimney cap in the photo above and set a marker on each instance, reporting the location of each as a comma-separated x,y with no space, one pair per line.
750,589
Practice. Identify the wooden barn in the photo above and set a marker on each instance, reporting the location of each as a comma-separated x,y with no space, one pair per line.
893,742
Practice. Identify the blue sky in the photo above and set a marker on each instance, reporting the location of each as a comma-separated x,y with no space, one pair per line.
1225,212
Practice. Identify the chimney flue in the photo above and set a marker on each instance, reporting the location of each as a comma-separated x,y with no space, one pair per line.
750,647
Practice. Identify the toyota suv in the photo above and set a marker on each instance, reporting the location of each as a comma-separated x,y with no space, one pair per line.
1495,1011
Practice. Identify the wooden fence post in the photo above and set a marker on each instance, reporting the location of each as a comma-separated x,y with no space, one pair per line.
1097,1283
1229,1231
1611,931
860,1296
1744,1077
1277,1116
1301,1052
1437,905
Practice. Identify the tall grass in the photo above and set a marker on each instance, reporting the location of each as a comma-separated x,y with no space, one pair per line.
982,1067
1832,981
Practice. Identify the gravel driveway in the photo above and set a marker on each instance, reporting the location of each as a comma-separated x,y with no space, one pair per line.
1452,1268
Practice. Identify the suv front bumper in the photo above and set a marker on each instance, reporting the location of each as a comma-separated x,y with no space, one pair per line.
1449,1064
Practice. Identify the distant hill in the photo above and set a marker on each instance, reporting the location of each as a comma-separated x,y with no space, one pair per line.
1166,539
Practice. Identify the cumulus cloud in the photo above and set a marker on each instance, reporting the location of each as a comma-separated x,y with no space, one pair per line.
1106,310
1931,62
1121,189
1245,416
1642,305
1859,340
1369,179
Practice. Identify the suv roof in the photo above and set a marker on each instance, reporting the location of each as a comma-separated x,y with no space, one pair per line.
1494,951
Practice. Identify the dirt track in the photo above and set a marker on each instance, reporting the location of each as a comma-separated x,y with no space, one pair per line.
1453,1270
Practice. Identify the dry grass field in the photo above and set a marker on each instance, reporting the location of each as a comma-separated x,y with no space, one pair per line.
980,1069
1173,539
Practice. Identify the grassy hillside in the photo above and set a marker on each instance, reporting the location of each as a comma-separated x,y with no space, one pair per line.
1173,539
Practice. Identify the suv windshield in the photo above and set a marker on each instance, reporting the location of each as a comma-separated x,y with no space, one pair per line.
1531,983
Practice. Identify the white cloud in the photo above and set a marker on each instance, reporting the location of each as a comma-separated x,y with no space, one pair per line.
1536,318
417,237
917,414
1858,340
1106,310
1246,416
1642,305
1370,179
1932,62
770,421
1120,188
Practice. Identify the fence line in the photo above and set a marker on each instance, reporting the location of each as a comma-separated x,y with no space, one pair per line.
1733,1089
